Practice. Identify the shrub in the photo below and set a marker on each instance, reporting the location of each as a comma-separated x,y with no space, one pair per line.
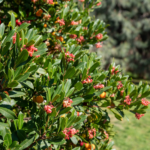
54,94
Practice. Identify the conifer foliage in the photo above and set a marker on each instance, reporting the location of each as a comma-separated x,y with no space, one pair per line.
129,35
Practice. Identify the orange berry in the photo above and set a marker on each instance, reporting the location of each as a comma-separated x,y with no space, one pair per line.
38,99
60,38
39,13
103,95
45,25
87,145
53,33
78,113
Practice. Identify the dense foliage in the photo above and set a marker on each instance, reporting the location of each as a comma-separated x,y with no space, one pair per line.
129,35
53,92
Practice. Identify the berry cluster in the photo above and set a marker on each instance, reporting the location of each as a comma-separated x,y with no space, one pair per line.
98,45
128,100
69,132
30,50
14,38
80,39
92,133
69,57
138,116
114,71
18,23
48,108
120,85
88,80
99,36
99,86
145,102
67,102
47,17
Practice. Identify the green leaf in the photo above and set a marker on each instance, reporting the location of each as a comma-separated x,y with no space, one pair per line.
70,73
76,148
65,110
22,57
41,71
70,92
95,65
7,113
1,1
77,100
31,42
6,48
20,120
22,78
26,143
67,86
23,26
13,22
7,138
13,84
78,86
16,94
2,29
4,125
29,84
9,36
71,121
55,98
74,140
58,91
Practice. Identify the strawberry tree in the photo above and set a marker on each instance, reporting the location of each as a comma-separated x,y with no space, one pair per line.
53,92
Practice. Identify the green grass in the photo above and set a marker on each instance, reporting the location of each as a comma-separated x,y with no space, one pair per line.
131,133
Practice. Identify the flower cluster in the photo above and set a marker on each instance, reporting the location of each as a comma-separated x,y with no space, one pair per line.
73,36
99,3
30,49
88,80
74,23
138,116
61,22
47,17
18,23
107,135
69,57
48,108
99,36
114,71
49,1
69,132
99,86
80,39
120,85
98,45
145,102
14,38
127,100
67,102
92,133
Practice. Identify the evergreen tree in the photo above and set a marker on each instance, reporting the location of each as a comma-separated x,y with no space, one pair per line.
129,35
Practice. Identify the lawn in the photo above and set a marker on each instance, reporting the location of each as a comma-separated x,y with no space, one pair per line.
131,133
